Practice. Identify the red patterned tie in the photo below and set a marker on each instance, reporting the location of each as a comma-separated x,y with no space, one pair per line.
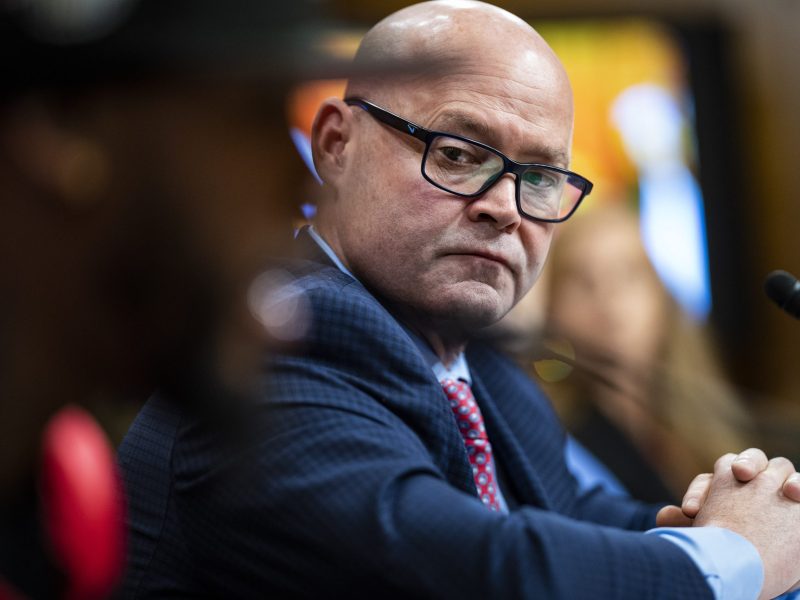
479,450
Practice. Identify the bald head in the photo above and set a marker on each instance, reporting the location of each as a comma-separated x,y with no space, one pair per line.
483,82
442,36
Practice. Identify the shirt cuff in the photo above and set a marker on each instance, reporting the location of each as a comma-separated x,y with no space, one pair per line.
731,564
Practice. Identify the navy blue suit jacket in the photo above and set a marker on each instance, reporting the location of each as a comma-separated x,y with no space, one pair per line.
359,484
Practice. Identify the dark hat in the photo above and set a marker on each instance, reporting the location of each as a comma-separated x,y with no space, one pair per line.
59,41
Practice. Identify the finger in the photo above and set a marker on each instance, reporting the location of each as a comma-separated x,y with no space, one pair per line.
723,464
672,516
696,494
791,487
779,469
748,464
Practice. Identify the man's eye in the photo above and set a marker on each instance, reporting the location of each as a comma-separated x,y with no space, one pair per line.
539,179
457,155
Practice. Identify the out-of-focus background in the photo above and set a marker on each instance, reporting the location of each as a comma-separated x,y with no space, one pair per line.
687,122
687,116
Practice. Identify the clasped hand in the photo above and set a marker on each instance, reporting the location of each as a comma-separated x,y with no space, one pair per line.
757,498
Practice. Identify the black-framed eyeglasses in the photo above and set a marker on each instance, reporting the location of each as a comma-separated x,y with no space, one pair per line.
468,168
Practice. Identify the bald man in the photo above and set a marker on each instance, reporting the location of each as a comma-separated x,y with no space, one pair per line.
395,459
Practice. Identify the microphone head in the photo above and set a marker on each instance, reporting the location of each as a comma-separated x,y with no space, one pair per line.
784,289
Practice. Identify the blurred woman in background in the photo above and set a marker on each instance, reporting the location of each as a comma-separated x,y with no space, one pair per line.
643,391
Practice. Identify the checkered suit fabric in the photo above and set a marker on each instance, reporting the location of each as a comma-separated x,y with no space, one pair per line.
359,485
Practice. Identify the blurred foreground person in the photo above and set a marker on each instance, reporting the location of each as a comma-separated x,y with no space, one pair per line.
146,176
394,458
663,411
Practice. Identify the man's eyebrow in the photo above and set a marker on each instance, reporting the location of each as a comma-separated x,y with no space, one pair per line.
466,125
552,156
473,128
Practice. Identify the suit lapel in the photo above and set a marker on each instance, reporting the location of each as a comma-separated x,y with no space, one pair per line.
526,485
429,410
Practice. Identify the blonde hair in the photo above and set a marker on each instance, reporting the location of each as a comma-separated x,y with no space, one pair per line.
676,405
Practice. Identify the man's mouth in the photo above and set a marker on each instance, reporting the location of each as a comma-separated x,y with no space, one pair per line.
485,255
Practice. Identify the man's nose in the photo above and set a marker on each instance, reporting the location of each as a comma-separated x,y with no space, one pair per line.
498,205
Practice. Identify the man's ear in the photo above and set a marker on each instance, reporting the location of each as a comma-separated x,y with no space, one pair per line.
65,166
330,135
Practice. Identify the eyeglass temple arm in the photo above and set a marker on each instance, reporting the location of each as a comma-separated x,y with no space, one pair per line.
392,120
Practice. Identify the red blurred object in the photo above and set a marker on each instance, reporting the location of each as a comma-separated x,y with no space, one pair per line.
83,504
6,593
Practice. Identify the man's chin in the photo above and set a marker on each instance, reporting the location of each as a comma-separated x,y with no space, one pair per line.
474,308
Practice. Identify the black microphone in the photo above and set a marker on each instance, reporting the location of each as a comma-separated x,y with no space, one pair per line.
784,289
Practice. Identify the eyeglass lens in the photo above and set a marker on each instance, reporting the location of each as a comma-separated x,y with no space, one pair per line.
465,168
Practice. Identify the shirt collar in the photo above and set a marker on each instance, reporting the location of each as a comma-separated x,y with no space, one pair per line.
458,369
328,251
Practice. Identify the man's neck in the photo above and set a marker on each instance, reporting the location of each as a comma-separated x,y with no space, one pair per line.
328,240
446,345
447,354
445,341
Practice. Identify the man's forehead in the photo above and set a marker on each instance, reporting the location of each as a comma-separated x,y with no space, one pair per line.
495,104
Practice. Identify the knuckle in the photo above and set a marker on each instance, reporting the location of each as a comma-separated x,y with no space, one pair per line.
753,454
700,482
724,460
791,490
781,462
793,482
